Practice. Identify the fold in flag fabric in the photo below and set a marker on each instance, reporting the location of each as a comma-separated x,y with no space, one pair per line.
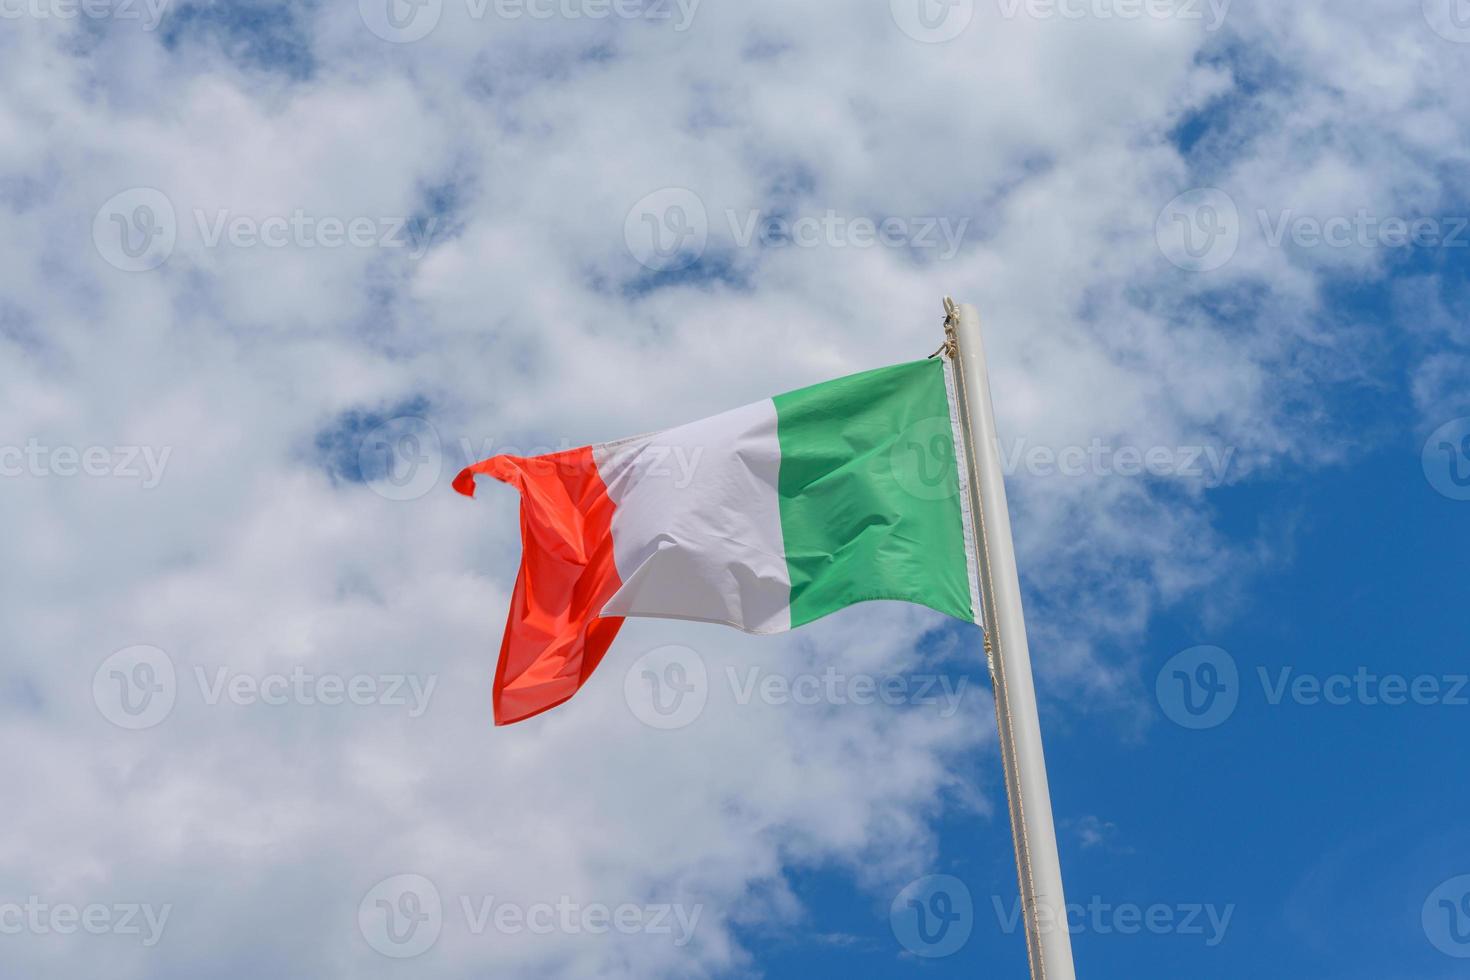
763,518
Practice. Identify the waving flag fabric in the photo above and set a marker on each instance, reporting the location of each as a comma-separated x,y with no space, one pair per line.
763,518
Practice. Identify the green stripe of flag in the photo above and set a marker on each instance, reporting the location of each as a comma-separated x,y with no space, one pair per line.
870,493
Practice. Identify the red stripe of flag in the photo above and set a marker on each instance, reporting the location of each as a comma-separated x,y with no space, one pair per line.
553,636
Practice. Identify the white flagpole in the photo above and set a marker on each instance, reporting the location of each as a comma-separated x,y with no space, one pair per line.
1048,943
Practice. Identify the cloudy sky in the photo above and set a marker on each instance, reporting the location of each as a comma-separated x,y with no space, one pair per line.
273,272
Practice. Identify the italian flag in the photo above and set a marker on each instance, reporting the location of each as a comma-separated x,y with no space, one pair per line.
763,518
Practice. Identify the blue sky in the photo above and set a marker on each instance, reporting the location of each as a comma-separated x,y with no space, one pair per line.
277,270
